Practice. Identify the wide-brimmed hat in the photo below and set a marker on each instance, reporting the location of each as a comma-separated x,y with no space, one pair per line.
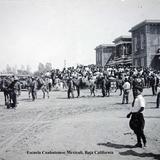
15,78
139,88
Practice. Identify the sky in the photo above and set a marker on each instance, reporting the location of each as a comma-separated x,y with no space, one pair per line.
33,31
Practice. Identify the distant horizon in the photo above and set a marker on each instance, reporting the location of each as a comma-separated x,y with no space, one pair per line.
32,71
55,31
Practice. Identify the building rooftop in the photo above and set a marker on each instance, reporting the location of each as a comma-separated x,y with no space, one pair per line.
121,38
151,21
105,45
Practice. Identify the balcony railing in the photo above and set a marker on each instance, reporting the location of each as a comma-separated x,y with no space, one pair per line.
123,57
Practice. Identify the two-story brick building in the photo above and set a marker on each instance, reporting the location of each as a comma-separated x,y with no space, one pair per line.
103,53
123,51
146,44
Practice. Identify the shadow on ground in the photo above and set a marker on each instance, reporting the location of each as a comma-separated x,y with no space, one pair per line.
121,103
113,145
149,95
29,100
150,117
151,108
133,153
152,102
130,152
63,98
81,97
25,100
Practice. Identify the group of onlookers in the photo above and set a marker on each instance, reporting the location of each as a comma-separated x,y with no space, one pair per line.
11,88
92,76
105,78
126,78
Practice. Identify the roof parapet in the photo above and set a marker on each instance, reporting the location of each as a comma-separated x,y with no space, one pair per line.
147,21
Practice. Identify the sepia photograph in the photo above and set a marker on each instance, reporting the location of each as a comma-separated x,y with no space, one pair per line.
79,79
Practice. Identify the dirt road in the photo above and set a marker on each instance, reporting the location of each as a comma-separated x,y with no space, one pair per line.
75,129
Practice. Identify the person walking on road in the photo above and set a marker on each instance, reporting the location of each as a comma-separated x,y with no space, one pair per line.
153,84
13,90
70,88
119,84
103,87
126,88
108,86
33,88
158,96
137,121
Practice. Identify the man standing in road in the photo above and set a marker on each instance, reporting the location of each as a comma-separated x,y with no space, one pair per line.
153,84
137,121
103,87
70,87
33,88
126,88
158,96
13,89
108,86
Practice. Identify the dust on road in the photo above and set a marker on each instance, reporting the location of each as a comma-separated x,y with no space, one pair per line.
82,125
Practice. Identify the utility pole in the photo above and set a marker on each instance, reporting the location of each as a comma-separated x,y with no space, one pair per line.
64,63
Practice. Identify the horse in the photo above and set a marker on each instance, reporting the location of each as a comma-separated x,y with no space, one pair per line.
92,86
43,85
5,84
85,82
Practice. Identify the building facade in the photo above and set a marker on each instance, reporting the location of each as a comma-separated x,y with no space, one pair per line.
123,51
103,53
146,44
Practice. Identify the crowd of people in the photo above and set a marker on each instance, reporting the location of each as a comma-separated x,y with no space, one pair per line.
105,78
125,79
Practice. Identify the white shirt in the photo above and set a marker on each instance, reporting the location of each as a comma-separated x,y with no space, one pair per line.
126,86
139,102
158,89
50,80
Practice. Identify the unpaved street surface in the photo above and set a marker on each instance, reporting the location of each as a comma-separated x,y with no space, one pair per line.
76,129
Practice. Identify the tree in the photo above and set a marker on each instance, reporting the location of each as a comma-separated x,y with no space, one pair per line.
8,69
28,69
22,67
48,66
14,69
41,67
